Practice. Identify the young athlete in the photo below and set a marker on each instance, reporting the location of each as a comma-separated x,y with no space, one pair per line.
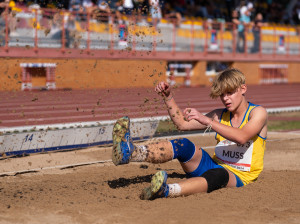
241,131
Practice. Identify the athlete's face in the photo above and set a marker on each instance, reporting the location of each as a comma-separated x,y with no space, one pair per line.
232,100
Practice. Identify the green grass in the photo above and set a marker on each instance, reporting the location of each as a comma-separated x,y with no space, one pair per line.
283,125
293,122
165,127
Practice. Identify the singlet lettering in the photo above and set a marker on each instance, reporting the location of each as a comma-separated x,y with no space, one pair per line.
238,156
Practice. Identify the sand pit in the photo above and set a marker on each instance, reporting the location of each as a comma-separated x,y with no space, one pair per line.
54,190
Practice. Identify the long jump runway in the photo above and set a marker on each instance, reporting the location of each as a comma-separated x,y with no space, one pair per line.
66,106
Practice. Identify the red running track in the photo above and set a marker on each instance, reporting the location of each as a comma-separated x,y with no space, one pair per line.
52,107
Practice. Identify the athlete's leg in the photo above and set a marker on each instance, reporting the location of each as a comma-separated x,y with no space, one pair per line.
163,151
125,151
232,180
159,152
201,184
209,181
206,177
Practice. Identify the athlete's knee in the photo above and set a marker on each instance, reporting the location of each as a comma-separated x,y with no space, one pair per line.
183,149
216,178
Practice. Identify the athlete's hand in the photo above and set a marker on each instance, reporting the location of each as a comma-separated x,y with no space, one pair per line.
163,89
193,114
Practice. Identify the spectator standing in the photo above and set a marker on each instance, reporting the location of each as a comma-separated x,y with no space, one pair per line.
10,15
67,22
126,8
76,8
258,23
12,19
235,21
101,11
3,5
155,11
75,5
103,6
113,5
171,14
141,8
235,17
244,21
250,8
88,5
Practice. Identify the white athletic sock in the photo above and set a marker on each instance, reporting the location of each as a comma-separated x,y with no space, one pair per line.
174,190
140,154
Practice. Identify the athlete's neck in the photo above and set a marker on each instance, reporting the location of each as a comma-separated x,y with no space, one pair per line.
241,110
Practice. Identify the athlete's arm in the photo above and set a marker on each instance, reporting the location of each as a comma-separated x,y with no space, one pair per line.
196,120
178,117
257,122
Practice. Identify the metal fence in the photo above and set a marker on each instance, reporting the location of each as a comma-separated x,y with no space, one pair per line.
49,28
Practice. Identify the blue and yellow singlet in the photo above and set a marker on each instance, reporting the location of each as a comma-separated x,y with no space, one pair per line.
245,161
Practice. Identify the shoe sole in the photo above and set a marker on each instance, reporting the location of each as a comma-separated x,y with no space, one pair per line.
119,130
156,183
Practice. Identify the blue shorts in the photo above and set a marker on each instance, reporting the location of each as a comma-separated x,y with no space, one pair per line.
207,163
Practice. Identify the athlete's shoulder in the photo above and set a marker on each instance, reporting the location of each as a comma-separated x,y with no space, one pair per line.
258,111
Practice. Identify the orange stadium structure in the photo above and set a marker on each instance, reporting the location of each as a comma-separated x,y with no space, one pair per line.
99,53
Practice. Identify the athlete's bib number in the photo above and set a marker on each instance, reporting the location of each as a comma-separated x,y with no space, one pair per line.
235,155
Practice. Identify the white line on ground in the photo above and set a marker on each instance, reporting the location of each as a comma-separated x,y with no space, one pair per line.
53,167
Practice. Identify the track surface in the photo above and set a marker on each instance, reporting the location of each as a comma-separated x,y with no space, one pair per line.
51,107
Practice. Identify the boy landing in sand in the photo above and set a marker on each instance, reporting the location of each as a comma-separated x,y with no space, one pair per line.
241,131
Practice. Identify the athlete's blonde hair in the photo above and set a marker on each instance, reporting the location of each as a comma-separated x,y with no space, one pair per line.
228,80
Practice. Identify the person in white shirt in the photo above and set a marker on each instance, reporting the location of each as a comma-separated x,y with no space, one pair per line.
127,7
155,11
103,6
88,5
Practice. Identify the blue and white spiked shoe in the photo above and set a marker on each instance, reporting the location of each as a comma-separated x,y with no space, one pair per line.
158,187
122,142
